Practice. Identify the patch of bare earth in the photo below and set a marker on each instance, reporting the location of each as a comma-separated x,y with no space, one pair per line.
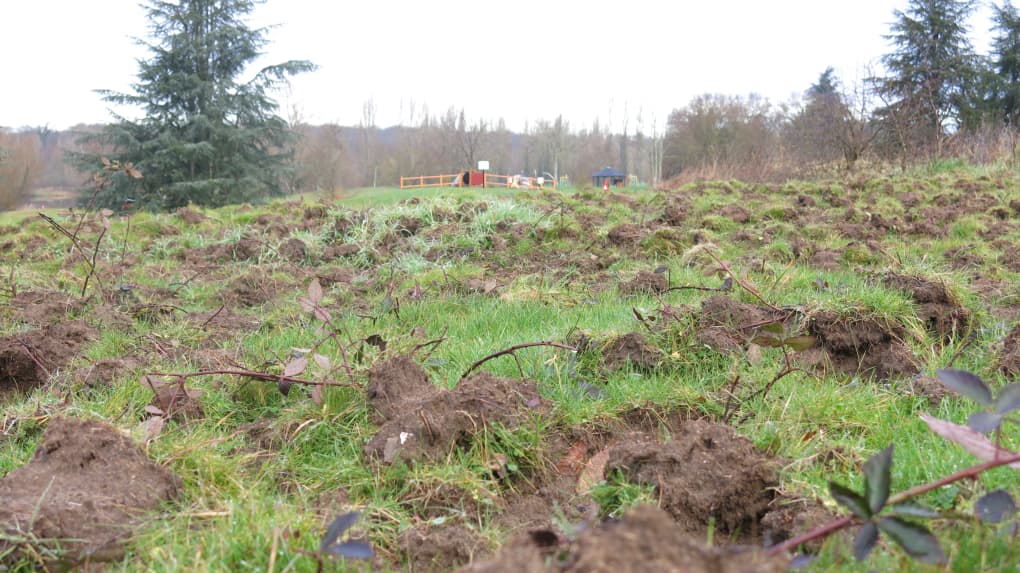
1009,356
85,491
440,548
645,539
633,350
706,473
44,307
726,325
859,346
28,358
645,282
942,314
423,421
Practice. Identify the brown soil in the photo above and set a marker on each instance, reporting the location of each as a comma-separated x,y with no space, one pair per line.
790,518
250,290
706,472
1009,357
293,250
646,539
87,489
442,548
28,358
725,324
645,283
45,307
859,346
104,372
928,388
625,235
424,421
190,216
736,213
223,321
110,317
942,313
631,349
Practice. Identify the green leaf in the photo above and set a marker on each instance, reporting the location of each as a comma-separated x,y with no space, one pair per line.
915,539
1009,399
774,328
865,541
767,340
984,422
995,507
877,478
912,509
967,384
850,499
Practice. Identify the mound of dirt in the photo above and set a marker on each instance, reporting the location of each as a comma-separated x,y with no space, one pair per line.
941,312
86,489
790,518
646,539
104,372
422,421
1009,357
28,358
725,324
44,307
645,283
735,213
631,349
439,548
625,235
293,250
250,290
190,216
707,472
859,346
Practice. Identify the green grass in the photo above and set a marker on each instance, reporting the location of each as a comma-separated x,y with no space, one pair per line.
255,500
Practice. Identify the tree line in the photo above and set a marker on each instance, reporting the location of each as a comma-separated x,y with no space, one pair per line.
209,138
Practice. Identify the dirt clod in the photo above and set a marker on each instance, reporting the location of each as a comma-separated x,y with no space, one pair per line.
941,312
440,548
44,307
707,472
859,346
631,349
646,539
86,488
424,421
1009,357
645,283
28,358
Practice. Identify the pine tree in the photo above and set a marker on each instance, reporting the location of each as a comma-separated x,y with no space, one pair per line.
207,137
1006,59
931,68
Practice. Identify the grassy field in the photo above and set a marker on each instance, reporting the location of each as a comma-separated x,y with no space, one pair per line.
893,278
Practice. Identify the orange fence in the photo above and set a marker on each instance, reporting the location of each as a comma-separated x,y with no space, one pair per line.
430,181
491,180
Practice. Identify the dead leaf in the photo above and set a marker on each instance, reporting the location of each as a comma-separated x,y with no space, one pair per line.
322,362
154,410
753,354
306,305
296,366
593,472
322,314
317,395
152,427
315,291
572,461
976,443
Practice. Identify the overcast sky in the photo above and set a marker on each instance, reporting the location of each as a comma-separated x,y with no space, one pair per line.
521,60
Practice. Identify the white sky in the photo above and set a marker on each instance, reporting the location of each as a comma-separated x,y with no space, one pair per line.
521,60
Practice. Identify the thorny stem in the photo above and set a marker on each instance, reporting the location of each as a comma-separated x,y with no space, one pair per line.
846,521
754,292
264,376
511,350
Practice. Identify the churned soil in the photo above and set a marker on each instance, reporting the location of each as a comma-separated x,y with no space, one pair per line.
28,358
859,346
86,489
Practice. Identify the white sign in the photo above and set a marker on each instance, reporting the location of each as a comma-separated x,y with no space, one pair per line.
483,165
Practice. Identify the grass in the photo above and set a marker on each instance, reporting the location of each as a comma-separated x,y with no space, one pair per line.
258,500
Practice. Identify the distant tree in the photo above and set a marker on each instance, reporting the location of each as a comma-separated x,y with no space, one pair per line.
20,166
1006,60
930,70
208,137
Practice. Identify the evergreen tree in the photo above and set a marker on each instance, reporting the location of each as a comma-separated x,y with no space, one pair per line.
207,137
931,69
1006,59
